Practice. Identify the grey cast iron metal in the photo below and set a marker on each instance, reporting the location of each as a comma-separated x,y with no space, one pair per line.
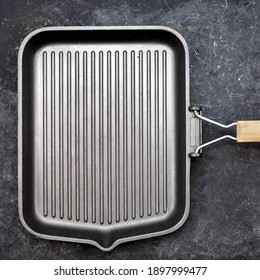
105,133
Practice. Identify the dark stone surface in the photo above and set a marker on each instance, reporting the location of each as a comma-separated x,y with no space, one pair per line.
224,42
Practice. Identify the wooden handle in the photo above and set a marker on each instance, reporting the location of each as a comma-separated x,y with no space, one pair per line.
248,131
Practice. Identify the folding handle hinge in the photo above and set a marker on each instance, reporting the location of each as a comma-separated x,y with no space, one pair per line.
197,113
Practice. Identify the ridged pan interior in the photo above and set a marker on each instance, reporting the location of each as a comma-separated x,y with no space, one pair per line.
103,134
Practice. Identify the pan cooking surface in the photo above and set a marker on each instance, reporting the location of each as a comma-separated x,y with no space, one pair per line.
102,130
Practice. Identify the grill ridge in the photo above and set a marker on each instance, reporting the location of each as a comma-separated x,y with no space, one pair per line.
104,135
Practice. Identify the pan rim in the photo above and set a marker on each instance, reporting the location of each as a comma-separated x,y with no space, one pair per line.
20,134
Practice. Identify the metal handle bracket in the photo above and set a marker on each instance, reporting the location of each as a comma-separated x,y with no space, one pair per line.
197,109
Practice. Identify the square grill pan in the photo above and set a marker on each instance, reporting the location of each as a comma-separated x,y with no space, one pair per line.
104,133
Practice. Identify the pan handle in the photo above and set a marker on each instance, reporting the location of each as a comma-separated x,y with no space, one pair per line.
247,131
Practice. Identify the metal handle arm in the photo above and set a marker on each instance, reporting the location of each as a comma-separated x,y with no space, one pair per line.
197,152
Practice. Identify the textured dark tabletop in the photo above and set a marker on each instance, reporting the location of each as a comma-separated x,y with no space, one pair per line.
224,43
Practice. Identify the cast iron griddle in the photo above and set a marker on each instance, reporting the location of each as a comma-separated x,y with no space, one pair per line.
104,133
